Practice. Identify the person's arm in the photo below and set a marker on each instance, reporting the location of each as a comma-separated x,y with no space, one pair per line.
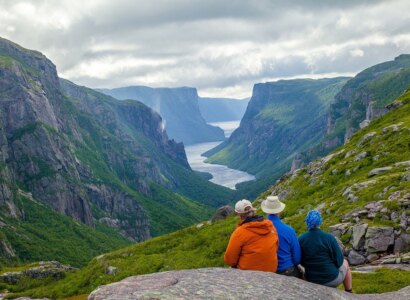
336,253
295,249
233,250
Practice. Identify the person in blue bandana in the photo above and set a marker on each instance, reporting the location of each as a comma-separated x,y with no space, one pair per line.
322,257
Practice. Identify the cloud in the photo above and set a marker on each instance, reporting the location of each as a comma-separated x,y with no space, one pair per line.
221,47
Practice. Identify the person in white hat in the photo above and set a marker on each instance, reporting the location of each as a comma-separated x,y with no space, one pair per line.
254,243
289,253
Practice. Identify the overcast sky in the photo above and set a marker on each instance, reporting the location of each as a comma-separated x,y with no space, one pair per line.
222,47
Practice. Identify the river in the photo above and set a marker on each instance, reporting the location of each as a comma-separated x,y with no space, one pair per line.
222,175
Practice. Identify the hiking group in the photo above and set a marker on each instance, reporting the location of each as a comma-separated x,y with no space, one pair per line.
272,246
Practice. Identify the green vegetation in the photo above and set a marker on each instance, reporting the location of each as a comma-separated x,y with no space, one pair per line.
387,146
204,247
43,234
381,281
284,118
185,249
379,84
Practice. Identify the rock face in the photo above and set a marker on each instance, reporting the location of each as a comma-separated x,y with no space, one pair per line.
48,269
358,236
222,213
179,109
364,97
87,155
379,239
218,283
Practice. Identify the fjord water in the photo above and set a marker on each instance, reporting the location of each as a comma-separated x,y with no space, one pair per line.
222,175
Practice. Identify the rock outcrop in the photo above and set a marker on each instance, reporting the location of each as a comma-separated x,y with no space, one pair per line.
48,269
218,283
364,98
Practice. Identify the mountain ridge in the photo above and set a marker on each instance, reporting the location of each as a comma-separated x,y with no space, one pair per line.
179,109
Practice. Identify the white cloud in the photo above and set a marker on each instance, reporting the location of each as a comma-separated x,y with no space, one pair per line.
221,47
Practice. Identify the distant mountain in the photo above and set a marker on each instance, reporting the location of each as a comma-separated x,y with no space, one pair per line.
105,163
282,118
179,109
222,109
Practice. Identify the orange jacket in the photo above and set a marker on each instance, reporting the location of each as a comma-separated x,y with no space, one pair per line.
253,246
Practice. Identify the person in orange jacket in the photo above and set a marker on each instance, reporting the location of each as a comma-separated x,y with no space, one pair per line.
254,243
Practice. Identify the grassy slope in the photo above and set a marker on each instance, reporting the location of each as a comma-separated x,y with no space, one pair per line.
381,83
390,147
186,249
46,235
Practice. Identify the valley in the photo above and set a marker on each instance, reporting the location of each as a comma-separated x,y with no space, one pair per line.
221,175
129,131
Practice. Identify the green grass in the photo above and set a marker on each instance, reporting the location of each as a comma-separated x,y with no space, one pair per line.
332,181
46,235
185,249
381,281
188,248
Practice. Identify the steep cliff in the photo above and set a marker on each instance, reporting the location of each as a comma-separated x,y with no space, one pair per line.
364,98
222,109
179,109
100,161
282,118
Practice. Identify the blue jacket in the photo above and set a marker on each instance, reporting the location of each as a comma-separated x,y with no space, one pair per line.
289,250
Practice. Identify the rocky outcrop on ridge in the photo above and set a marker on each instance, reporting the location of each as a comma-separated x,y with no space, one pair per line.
46,269
364,98
219,283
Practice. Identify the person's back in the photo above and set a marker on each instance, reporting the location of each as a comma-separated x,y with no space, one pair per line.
253,245
289,255
321,256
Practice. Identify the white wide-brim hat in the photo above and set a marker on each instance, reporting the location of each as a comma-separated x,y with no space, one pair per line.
272,205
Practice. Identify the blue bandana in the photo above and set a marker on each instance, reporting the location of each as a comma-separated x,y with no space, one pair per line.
313,219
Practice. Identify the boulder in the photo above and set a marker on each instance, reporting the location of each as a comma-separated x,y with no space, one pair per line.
222,213
360,156
11,277
406,177
220,283
402,243
378,171
111,270
355,258
403,163
367,137
42,272
358,236
378,239
338,230
372,257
